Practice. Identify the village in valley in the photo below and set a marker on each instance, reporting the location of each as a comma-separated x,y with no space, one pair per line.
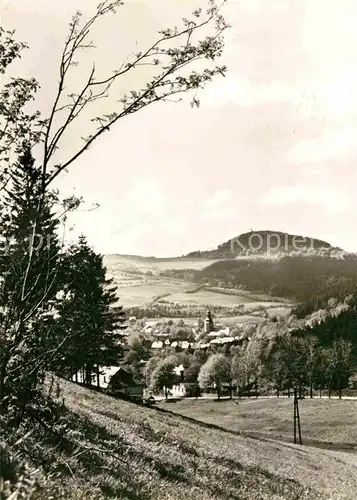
242,334
120,381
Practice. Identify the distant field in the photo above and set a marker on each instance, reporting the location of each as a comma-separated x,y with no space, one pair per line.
324,423
153,455
139,284
203,297
145,292
252,296
278,310
244,318
155,265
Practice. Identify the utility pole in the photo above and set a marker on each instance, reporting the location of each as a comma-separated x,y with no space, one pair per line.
296,418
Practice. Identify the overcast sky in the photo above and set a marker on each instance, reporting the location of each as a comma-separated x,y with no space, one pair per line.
273,145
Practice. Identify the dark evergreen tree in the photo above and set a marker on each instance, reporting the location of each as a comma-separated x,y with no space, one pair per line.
89,318
30,279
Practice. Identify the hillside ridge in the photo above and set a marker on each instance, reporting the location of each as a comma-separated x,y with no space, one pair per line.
264,242
261,242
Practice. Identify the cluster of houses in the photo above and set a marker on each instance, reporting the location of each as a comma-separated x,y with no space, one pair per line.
219,337
118,380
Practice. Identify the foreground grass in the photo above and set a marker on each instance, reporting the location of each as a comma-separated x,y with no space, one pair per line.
116,449
325,423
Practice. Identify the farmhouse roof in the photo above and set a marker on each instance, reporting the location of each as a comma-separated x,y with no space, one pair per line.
224,331
108,371
123,375
213,334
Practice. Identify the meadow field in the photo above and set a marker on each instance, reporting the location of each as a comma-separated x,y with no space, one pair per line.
140,284
155,265
126,451
325,423
203,297
148,290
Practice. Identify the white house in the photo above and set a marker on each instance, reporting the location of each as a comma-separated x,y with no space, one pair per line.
213,334
181,343
215,341
178,369
157,344
184,344
180,390
224,332
201,346
105,374
224,340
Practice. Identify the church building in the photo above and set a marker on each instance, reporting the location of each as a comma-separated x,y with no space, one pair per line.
209,323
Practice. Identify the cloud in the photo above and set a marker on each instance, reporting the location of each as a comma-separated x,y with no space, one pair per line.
339,92
219,198
148,209
327,33
220,213
145,213
331,200
219,205
146,198
333,144
245,93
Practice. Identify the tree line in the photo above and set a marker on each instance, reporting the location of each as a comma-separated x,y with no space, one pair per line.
166,309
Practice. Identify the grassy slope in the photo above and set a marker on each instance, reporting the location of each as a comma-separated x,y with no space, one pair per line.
171,458
325,423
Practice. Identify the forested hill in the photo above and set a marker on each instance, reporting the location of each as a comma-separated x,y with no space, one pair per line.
265,242
310,280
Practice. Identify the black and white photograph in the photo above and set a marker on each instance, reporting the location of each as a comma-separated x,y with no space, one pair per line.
178,249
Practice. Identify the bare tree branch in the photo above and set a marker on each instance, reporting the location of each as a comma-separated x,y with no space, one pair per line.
168,82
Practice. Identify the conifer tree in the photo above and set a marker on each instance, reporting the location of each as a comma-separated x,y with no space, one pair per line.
87,313
30,280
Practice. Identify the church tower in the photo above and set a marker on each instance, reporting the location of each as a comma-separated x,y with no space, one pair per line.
208,323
